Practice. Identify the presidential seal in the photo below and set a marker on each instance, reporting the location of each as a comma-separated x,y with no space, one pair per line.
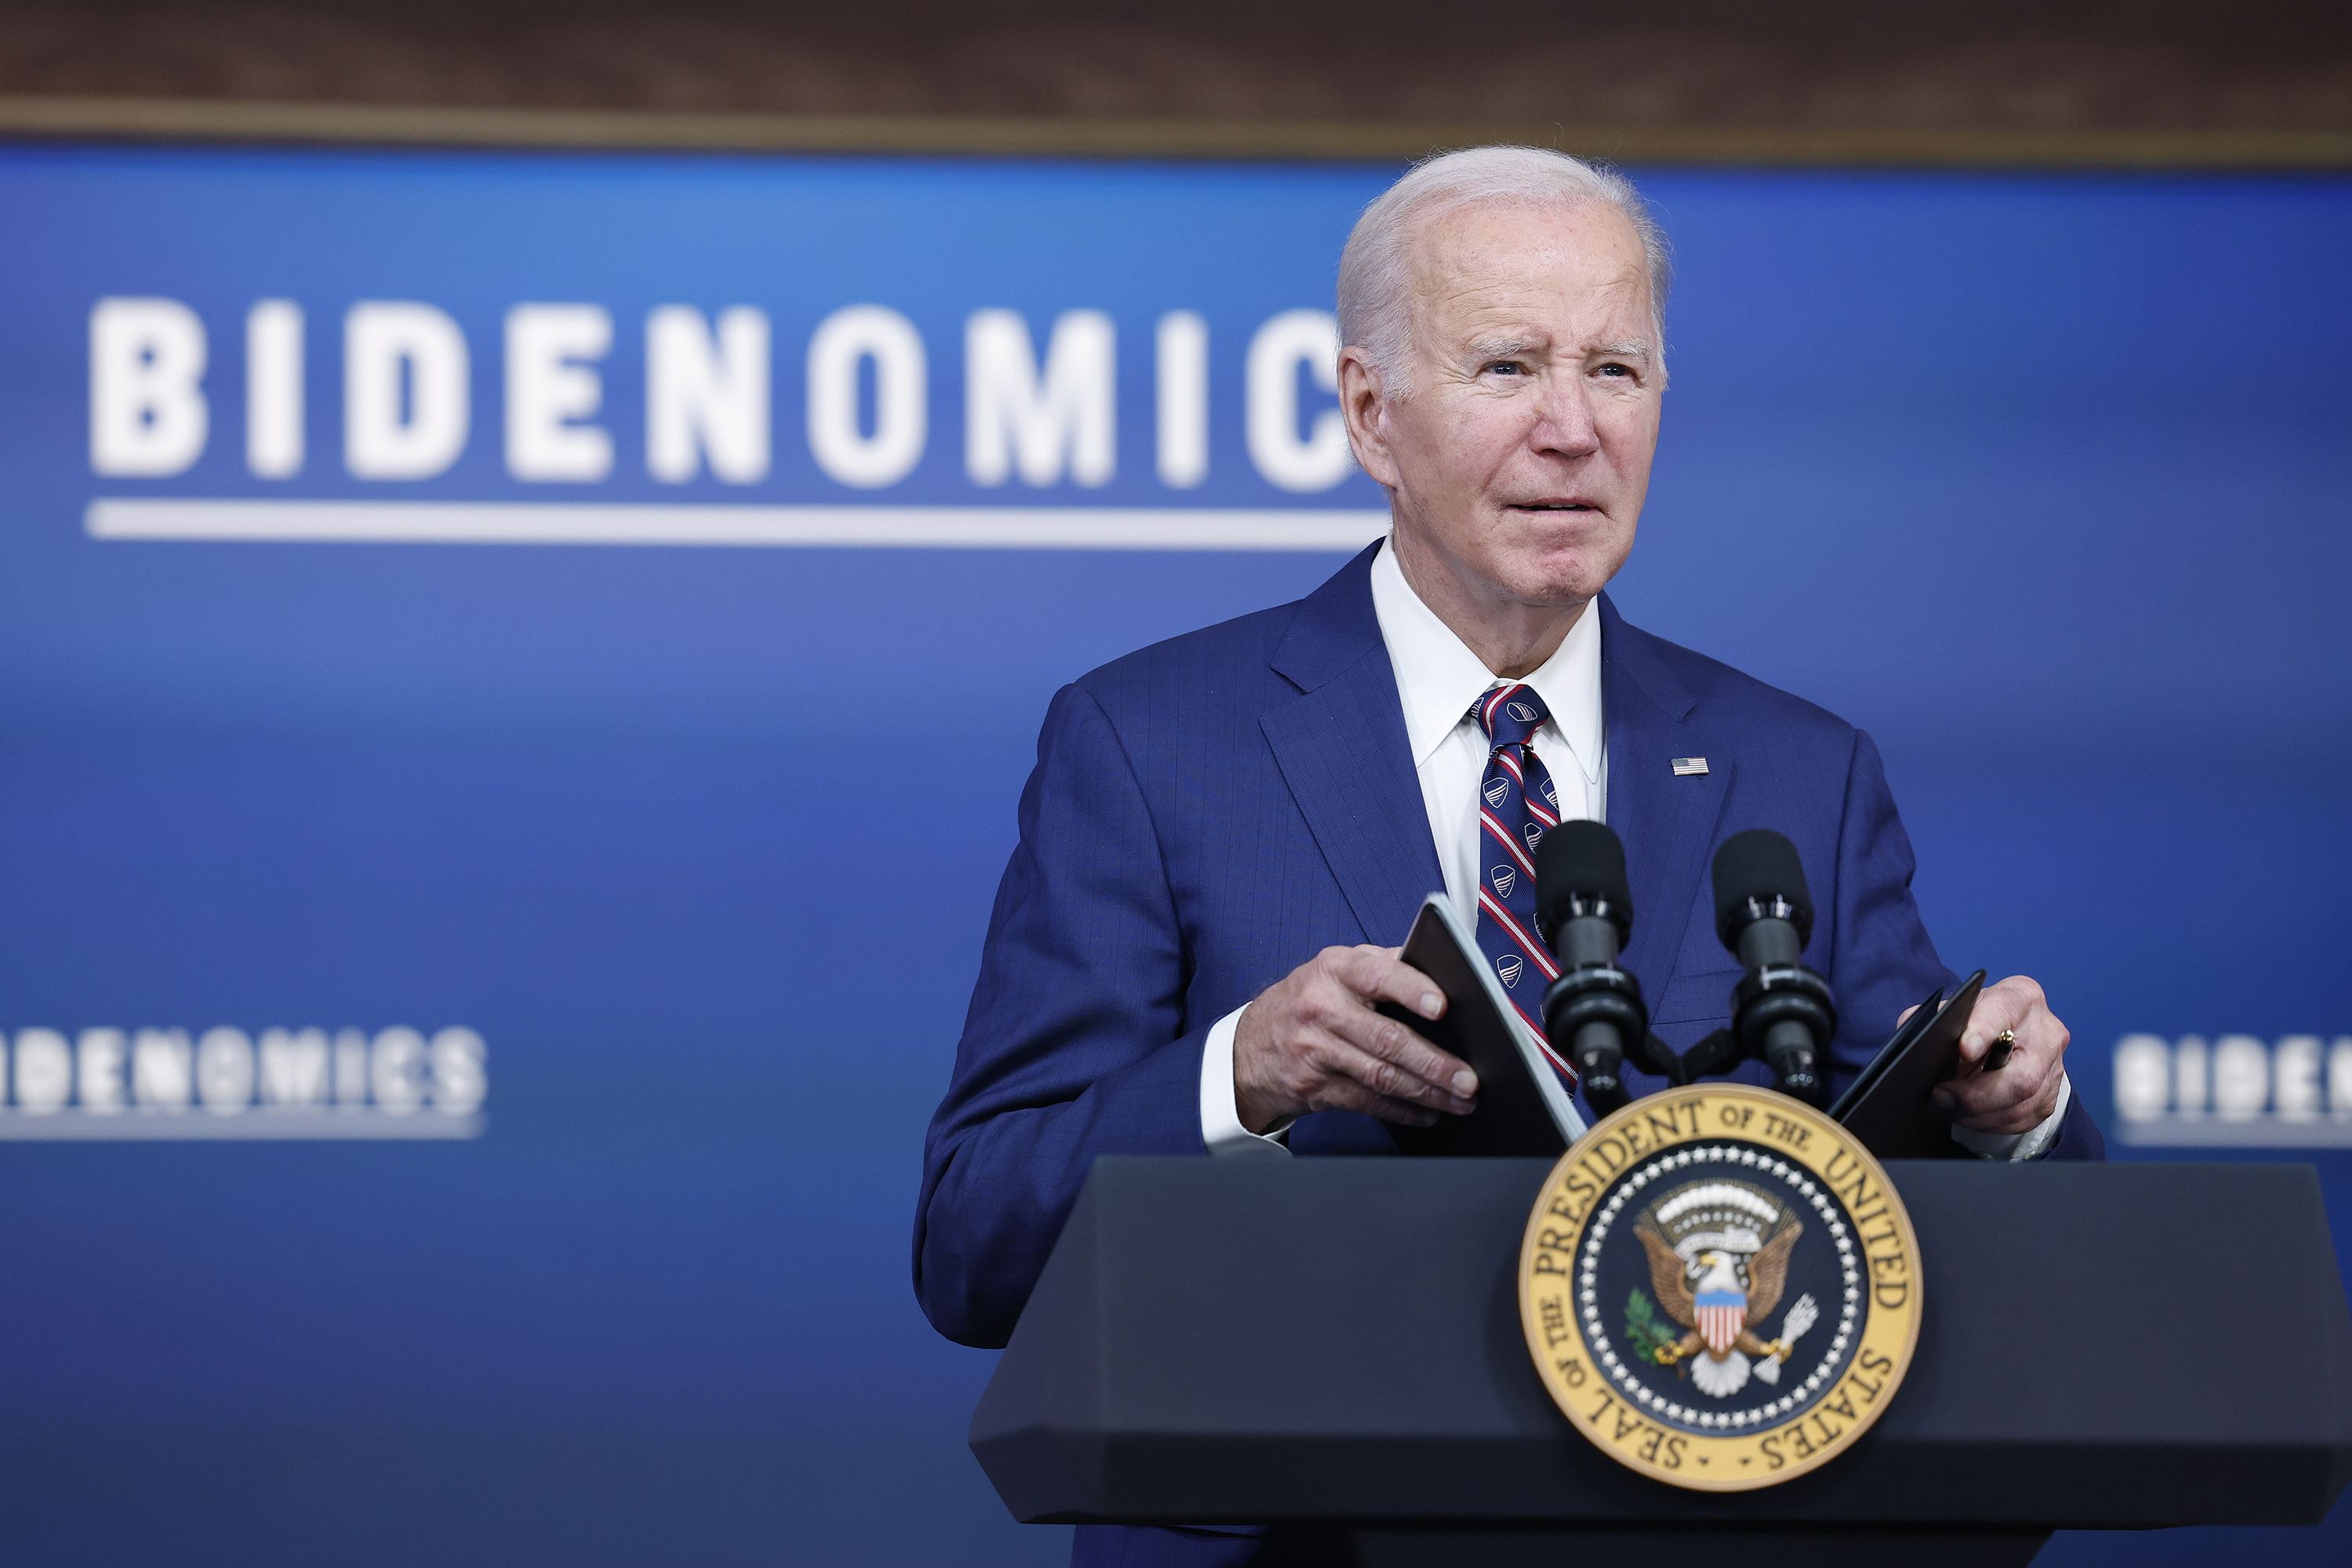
1719,1288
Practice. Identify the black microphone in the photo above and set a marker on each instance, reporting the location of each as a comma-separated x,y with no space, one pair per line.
1783,1012
1584,910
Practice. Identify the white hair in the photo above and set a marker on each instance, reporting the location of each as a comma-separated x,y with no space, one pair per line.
1375,304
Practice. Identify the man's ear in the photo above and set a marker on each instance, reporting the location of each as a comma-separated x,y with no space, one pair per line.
1366,409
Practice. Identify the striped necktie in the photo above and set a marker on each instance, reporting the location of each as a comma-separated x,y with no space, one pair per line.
1516,802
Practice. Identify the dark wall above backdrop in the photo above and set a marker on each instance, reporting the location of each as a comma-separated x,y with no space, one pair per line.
2279,72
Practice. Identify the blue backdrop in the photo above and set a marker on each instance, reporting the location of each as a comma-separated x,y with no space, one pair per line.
2043,481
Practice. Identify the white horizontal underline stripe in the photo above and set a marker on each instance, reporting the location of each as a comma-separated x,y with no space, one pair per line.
261,1124
916,527
2269,1131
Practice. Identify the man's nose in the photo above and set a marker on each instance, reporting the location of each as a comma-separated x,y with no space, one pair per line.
1564,422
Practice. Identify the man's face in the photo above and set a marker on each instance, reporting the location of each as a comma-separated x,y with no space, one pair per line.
1518,460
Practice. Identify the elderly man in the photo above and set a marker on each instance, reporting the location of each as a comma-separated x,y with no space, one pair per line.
1224,832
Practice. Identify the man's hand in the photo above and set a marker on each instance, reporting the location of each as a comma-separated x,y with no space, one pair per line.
2020,1095
1312,1042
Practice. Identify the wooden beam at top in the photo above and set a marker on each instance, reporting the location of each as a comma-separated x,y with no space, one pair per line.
252,120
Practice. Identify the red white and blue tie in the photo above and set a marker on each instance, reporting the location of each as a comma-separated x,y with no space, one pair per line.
1516,802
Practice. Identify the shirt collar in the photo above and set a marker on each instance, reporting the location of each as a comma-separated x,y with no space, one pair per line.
1438,678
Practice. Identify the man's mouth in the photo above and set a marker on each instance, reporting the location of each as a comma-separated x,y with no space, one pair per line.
1550,506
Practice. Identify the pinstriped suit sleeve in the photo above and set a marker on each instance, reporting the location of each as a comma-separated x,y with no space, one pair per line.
1076,1044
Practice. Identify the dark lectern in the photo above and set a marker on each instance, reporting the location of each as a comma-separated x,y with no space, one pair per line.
1333,1346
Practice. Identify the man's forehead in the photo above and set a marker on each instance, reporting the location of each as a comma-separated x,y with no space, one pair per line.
1506,270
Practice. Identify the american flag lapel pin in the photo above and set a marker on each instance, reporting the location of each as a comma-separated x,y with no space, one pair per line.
1683,765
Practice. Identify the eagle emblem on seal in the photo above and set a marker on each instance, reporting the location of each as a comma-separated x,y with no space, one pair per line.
1718,1255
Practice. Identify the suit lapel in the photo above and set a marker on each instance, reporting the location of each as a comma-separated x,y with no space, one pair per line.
1667,821
1342,749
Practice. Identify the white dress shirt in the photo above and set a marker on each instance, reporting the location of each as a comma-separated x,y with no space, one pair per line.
1438,678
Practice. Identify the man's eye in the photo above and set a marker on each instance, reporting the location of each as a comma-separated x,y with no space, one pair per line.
1507,367
1612,368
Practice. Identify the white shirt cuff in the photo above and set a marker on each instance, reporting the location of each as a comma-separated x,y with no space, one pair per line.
2010,1146
1220,1114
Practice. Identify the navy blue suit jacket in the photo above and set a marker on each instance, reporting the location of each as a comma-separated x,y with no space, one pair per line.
1208,814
